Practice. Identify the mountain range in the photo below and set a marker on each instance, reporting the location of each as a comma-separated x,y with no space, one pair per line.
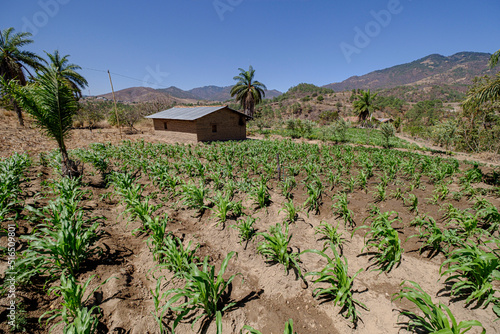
455,72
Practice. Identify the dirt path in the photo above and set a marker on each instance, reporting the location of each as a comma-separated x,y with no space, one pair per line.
485,158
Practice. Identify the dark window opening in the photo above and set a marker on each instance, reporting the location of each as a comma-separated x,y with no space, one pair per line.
165,125
214,128
242,121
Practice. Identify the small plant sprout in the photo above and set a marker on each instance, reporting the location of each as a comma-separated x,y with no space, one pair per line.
331,235
341,210
292,212
245,229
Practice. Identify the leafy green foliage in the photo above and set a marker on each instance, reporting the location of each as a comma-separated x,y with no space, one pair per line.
385,240
245,229
175,256
435,318
331,235
275,247
341,210
339,288
474,271
194,196
261,194
204,290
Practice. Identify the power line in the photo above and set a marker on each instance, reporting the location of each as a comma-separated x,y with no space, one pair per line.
125,76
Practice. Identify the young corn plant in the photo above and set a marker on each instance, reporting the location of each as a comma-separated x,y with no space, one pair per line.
362,179
292,212
159,311
157,228
380,194
436,318
64,246
194,197
412,203
287,186
339,289
433,237
175,256
288,328
73,312
315,194
397,194
223,205
474,272
204,290
467,223
331,236
261,194
276,250
245,229
385,240
84,322
341,210
490,217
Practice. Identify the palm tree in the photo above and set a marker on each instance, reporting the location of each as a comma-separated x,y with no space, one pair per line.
14,62
50,101
364,105
487,90
68,71
248,92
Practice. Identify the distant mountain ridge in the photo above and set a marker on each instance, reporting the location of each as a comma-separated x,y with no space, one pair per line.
433,72
208,93
456,70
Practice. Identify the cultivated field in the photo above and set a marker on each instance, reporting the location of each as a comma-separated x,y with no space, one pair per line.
147,222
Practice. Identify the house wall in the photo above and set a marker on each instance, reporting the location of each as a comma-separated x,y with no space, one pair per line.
227,123
177,130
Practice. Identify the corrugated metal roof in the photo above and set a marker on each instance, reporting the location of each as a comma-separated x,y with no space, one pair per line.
187,114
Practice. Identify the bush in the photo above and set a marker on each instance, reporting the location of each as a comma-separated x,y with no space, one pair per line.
387,131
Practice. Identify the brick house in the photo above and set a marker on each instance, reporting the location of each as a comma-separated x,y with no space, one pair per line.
201,123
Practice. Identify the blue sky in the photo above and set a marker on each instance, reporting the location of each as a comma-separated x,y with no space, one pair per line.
193,43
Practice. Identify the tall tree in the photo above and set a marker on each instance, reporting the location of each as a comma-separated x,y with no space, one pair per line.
364,105
67,71
248,92
14,62
487,90
50,101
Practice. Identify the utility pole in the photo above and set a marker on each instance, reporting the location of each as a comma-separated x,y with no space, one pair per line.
116,110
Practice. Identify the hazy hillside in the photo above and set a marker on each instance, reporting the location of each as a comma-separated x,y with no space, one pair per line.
208,93
456,71
144,94
213,93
